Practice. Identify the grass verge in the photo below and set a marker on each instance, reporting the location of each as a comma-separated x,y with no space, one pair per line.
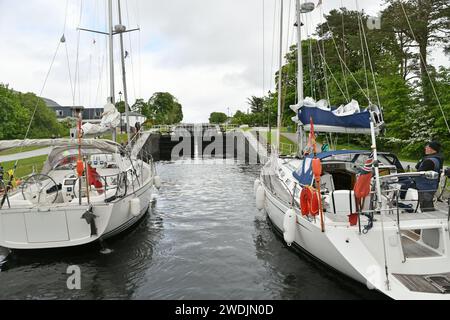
25,166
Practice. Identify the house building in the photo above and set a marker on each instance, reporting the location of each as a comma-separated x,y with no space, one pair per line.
63,112
91,114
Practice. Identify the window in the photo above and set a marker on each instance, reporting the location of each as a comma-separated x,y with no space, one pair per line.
59,113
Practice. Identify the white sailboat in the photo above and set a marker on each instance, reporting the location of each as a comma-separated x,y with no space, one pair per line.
382,238
88,190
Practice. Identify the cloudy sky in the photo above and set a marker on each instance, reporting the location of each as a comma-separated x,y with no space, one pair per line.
208,53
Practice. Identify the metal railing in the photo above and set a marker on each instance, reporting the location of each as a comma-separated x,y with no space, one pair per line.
287,148
160,127
118,182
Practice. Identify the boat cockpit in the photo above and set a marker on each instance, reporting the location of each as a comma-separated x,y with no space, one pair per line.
340,172
106,177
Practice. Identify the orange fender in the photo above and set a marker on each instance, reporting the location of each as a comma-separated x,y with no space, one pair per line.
305,201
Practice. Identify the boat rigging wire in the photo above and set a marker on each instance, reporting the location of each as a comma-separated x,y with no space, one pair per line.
332,75
280,79
38,99
138,19
379,206
133,77
286,75
288,21
101,64
363,51
323,57
274,28
72,92
77,61
63,40
371,68
263,50
343,47
422,58
310,59
344,64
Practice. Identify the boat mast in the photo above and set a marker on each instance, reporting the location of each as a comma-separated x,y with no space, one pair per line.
280,77
300,97
306,7
111,60
299,54
113,30
124,78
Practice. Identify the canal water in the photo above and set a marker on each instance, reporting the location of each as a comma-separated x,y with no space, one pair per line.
203,239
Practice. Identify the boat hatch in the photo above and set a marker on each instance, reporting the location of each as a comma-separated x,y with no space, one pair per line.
436,283
441,282
424,243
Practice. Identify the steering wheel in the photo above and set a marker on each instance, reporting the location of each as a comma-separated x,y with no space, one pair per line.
76,188
40,188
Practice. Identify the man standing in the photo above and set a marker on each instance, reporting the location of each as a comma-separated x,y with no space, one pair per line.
137,126
432,161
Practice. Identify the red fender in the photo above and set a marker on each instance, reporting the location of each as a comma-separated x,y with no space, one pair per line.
362,186
80,167
315,203
305,201
317,168
309,202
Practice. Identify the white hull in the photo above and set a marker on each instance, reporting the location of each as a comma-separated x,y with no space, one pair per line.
360,256
309,238
62,225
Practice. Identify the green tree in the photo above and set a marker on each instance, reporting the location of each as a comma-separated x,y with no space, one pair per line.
429,22
44,124
139,106
218,117
120,106
16,110
411,118
13,116
240,118
163,108
256,104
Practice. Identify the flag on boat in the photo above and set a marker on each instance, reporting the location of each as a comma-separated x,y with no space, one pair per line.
311,145
312,137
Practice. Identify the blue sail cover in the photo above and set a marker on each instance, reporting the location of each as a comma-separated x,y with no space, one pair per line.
304,174
328,118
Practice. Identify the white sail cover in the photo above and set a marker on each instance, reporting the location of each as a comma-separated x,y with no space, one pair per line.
345,110
110,120
106,145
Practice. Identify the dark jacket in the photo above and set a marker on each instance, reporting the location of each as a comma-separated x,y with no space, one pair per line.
432,162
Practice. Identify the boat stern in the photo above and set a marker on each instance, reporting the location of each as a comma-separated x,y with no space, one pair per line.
52,227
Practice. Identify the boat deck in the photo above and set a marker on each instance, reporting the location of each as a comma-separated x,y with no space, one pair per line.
437,214
436,283
414,249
